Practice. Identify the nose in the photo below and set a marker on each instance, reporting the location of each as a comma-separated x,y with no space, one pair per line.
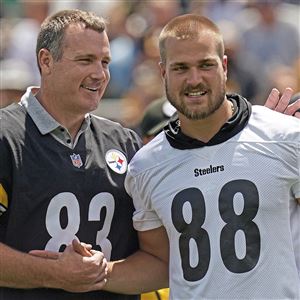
100,72
194,76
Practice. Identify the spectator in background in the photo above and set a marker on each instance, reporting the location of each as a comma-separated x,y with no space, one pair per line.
23,35
272,41
15,77
155,118
275,41
124,49
140,80
245,72
282,76
221,10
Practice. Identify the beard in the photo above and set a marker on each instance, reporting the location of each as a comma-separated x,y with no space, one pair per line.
181,106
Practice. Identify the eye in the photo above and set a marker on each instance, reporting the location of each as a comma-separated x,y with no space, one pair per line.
105,63
179,68
85,60
207,65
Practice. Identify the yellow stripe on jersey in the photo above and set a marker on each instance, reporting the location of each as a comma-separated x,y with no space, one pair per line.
3,200
162,294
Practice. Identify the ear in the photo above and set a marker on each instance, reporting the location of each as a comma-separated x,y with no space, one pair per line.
45,61
224,64
162,68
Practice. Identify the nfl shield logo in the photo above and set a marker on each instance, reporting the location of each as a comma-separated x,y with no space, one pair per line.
76,160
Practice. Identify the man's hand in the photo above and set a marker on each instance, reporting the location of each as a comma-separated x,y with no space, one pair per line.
77,272
82,248
281,104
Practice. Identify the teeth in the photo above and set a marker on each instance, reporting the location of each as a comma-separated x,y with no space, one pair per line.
196,94
89,88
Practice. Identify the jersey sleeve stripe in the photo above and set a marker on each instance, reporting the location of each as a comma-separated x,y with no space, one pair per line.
3,200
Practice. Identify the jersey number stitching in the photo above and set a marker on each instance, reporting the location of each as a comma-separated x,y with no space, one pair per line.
63,236
193,231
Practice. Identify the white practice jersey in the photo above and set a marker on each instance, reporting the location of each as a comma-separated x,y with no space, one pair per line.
229,210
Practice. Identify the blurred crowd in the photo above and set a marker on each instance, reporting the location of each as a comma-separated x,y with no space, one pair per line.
262,39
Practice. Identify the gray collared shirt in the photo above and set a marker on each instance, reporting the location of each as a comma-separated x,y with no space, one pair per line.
46,123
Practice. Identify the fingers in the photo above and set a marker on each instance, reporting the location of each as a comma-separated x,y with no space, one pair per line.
87,246
45,254
293,108
284,100
98,285
273,99
297,115
86,251
102,278
281,104
97,276
95,257
103,270
78,269
100,262
104,267
81,248
91,286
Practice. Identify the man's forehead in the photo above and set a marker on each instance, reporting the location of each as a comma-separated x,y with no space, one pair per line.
185,44
78,42
191,52
80,31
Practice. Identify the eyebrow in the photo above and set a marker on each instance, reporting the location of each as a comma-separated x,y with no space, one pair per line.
91,56
178,64
208,59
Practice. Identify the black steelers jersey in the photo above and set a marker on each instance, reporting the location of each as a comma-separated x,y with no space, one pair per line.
228,206
51,194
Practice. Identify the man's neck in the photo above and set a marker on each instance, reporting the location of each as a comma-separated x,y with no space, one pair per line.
64,117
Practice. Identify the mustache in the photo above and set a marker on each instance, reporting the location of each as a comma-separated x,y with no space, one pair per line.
191,88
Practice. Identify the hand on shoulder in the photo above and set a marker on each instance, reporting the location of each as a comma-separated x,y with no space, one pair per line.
285,103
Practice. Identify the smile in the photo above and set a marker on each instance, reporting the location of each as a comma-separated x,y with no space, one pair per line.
195,94
89,88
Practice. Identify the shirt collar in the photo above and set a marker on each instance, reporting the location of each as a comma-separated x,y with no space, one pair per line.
42,119
234,125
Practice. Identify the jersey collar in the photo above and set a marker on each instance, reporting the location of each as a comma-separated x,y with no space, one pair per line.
42,119
234,125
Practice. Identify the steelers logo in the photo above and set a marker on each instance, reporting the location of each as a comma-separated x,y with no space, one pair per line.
116,160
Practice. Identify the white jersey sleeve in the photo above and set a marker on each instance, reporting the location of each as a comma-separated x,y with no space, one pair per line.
145,217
